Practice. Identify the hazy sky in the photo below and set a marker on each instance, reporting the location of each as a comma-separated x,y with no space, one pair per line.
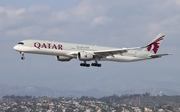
115,23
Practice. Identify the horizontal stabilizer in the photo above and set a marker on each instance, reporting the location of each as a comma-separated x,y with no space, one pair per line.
158,55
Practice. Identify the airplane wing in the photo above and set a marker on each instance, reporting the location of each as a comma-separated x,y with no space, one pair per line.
72,54
104,53
112,52
158,55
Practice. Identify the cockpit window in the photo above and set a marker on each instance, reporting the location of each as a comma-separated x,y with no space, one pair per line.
21,43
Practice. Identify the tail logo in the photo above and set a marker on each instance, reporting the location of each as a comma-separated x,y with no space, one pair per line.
154,46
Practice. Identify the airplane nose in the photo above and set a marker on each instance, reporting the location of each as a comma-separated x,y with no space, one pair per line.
15,47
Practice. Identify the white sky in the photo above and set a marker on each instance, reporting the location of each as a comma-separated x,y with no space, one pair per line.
115,23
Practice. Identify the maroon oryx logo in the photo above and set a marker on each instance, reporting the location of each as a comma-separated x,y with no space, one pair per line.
155,45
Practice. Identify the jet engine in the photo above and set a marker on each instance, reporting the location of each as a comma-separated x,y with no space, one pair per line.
63,58
84,56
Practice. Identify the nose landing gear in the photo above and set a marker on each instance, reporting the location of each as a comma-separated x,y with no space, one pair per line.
22,53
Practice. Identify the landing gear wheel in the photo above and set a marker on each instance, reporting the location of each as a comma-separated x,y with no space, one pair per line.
22,53
99,65
84,64
22,58
96,64
87,65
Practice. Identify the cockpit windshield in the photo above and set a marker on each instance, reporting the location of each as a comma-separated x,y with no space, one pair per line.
21,43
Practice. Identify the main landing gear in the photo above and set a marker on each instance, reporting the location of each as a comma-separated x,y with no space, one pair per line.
85,65
22,53
88,65
96,64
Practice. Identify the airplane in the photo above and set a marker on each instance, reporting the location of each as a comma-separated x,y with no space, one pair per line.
66,51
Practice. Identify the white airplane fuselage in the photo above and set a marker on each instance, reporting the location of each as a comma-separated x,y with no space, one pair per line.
67,51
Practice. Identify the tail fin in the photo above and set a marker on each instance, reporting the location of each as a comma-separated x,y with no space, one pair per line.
155,44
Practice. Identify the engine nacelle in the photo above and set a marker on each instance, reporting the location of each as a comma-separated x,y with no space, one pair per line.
84,56
63,58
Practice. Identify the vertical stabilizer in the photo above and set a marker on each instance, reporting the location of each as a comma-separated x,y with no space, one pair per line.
155,44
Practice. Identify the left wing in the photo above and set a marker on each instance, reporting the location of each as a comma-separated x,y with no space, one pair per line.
104,53
113,51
